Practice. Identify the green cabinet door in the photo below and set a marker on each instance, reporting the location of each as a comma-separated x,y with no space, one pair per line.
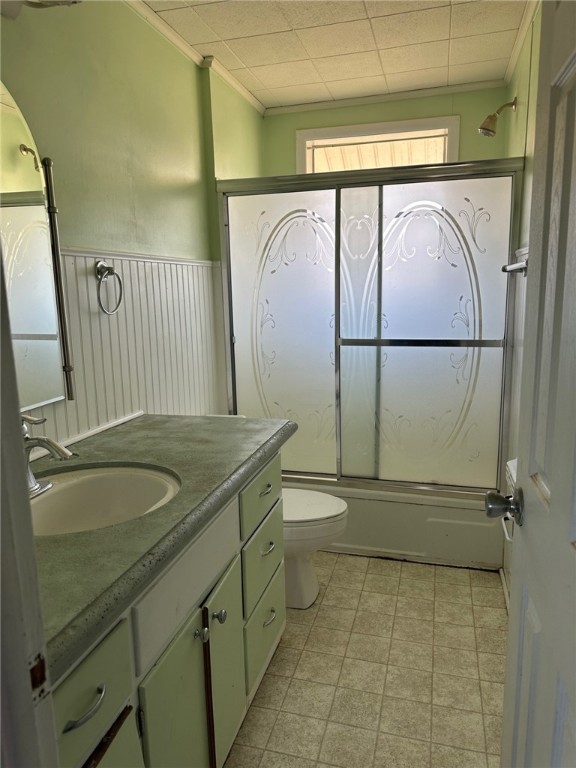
224,606
175,733
124,751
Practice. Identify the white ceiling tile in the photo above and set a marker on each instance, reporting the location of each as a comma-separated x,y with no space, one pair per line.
187,23
391,7
299,94
265,98
314,14
221,53
414,81
291,73
335,39
361,86
350,65
411,28
485,17
415,57
246,78
268,49
497,45
166,5
243,18
473,73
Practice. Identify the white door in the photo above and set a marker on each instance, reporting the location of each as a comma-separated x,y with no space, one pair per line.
540,698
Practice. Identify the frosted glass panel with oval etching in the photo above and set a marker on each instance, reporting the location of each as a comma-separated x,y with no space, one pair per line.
282,269
443,244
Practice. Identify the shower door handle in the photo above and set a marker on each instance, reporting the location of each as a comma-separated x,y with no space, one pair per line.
519,267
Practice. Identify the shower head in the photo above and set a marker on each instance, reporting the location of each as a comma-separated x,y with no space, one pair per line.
488,127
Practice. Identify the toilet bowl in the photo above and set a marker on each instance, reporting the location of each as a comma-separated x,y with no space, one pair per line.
312,520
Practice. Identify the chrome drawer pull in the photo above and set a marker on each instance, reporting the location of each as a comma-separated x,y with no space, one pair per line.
266,491
72,724
271,619
271,548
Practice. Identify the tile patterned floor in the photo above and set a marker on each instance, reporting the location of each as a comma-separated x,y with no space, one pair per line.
396,665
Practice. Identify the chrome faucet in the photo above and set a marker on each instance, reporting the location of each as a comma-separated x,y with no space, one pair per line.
36,487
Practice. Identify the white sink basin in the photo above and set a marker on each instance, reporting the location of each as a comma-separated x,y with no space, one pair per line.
86,499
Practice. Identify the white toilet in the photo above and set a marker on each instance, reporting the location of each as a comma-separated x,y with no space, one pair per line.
312,520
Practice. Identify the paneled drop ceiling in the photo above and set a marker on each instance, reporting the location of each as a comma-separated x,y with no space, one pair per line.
292,52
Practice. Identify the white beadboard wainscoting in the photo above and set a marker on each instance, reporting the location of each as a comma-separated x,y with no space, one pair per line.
160,353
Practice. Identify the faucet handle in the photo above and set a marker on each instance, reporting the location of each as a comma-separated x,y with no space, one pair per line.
26,420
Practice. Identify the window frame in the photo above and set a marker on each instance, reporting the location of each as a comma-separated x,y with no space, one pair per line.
450,122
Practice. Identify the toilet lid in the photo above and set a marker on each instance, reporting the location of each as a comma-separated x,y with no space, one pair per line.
310,506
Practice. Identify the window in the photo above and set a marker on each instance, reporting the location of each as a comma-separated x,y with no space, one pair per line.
378,145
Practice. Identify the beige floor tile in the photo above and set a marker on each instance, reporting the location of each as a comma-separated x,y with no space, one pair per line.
298,616
368,648
420,571
319,667
369,623
325,559
331,617
493,618
455,636
347,746
374,602
385,585
398,752
458,728
362,675
324,640
297,735
419,589
284,661
243,757
455,661
406,718
446,574
489,640
453,593
295,636
492,697
493,731
413,608
323,575
489,579
456,692
493,598
453,613
450,757
359,708
492,667
412,655
403,683
494,761
413,630
277,760
348,579
307,698
384,567
356,563
257,727
340,597
271,691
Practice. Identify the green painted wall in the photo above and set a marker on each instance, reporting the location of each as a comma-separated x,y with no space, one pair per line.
279,151
17,171
118,109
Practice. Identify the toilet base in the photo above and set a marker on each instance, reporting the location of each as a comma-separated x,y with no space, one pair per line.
301,581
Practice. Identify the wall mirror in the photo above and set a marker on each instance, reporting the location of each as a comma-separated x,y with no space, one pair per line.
31,266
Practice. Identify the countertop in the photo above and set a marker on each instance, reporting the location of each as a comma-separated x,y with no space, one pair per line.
88,579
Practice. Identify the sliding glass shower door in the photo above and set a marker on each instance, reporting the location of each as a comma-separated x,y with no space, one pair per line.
374,316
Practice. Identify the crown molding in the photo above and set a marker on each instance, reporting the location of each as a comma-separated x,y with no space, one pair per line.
527,19
210,62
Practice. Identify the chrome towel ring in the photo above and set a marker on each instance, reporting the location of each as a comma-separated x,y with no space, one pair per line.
103,272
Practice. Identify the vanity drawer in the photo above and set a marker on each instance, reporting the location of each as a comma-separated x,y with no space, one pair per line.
262,632
259,496
101,684
261,556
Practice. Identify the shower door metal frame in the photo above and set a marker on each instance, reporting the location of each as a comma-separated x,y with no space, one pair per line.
512,167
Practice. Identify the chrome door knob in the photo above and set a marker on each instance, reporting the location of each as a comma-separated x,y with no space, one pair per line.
221,616
508,507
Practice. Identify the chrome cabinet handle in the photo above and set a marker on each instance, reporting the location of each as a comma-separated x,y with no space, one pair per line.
202,634
220,616
271,548
271,619
266,491
72,724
